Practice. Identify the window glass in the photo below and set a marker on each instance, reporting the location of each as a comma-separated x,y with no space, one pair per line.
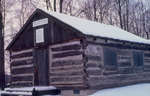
138,58
39,35
110,57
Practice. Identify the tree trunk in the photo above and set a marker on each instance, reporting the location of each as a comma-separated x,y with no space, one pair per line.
94,7
55,5
61,5
120,13
2,73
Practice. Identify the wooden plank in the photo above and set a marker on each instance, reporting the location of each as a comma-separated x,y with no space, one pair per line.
22,78
21,59
21,83
98,64
69,70
94,71
64,84
28,74
21,66
66,54
62,63
68,47
22,70
20,52
75,57
67,79
94,58
65,44
81,72
147,55
127,70
28,54
23,62
59,52
66,67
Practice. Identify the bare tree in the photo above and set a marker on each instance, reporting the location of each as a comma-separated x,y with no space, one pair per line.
2,67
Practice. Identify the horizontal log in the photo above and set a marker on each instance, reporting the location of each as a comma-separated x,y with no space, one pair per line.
21,59
147,68
98,65
68,47
147,55
20,52
76,57
138,69
110,67
64,71
23,62
124,57
126,70
65,54
21,83
29,74
66,63
146,59
22,70
22,78
21,66
69,69
66,67
124,64
67,79
67,73
94,58
94,50
110,72
28,54
94,71
64,84
65,44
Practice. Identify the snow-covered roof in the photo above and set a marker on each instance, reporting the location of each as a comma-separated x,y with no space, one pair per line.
98,29
133,90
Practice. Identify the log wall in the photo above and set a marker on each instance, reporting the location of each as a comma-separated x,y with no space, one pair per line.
66,65
124,73
22,68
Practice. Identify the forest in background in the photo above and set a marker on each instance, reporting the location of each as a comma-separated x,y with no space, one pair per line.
130,15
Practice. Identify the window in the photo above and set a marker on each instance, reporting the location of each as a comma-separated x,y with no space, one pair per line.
138,58
76,91
39,35
110,57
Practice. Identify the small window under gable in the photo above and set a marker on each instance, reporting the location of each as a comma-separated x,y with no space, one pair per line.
39,35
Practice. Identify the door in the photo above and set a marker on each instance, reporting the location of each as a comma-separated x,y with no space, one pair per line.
41,66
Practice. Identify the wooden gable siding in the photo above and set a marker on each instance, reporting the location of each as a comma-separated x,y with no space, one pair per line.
22,68
55,32
66,65
125,71
25,41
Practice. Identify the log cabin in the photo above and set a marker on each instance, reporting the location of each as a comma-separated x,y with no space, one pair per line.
76,55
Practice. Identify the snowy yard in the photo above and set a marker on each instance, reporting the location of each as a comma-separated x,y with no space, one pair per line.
134,90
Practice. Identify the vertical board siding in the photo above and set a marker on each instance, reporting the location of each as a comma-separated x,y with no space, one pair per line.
22,68
66,64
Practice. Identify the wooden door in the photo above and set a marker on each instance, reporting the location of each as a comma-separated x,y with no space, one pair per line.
42,66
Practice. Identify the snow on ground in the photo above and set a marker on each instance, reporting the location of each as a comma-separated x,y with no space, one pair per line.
133,90
98,29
